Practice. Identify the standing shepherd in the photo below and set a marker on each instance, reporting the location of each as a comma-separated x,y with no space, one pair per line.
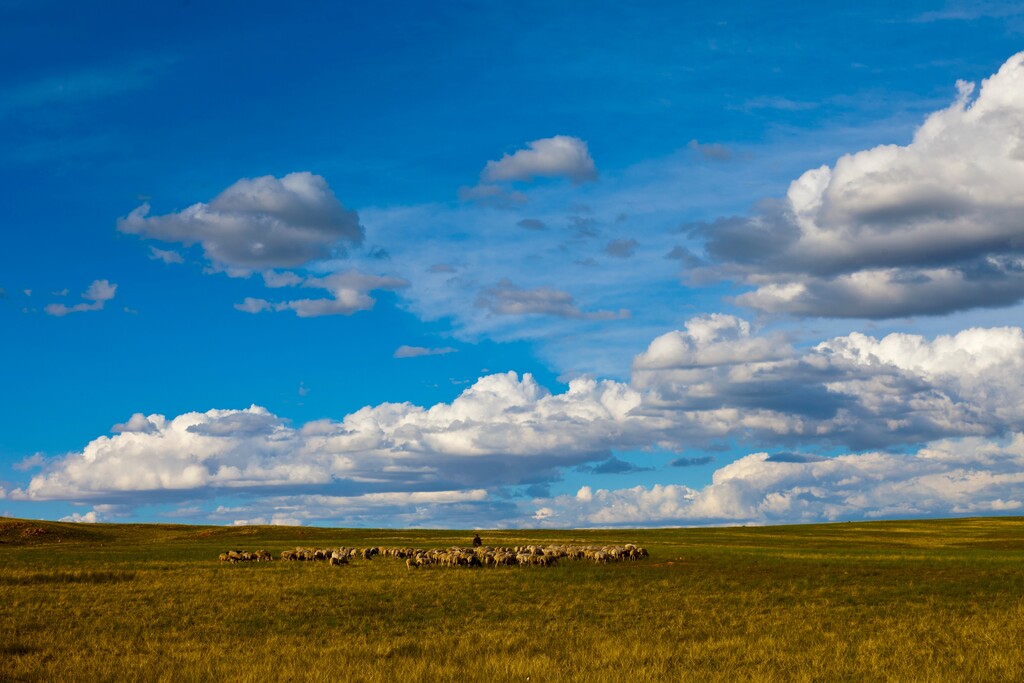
477,542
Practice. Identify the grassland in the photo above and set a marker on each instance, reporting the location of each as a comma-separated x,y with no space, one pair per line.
888,601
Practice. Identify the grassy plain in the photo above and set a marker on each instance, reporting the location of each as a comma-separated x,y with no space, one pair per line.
939,600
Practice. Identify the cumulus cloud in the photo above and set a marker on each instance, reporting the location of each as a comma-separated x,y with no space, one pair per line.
98,294
416,351
506,298
258,223
503,430
951,477
854,390
927,228
561,156
715,381
349,293
137,423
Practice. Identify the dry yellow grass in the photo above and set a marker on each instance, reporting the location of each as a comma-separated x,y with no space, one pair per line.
908,601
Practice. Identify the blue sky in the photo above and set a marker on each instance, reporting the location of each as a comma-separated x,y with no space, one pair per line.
563,264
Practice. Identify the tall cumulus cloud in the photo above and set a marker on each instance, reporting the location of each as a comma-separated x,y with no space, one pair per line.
929,228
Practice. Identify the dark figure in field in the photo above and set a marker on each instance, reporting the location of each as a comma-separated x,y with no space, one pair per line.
477,542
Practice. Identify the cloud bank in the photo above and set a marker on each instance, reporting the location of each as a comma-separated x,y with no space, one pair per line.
714,382
959,477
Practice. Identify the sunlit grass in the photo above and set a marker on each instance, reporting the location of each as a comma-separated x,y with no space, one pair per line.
928,601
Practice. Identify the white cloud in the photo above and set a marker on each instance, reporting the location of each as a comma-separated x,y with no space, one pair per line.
560,156
927,228
258,223
965,476
166,255
85,518
416,351
98,294
717,380
349,293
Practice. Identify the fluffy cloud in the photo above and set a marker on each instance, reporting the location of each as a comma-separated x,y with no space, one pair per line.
258,223
718,377
561,156
965,476
927,228
715,381
349,293
505,298
99,293
503,430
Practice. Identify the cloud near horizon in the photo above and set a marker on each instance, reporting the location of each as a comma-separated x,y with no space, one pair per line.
715,380
968,476
929,228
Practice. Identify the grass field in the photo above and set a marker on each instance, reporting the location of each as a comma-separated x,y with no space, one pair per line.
939,600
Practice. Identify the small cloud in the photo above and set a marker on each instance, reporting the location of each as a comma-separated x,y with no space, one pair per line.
349,293
492,195
416,351
252,305
508,299
621,248
99,293
691,462
712,151
532,224
561,156
778,103
441,268
303,389
131,311
379,253
63,292
166,255
28,292
88,518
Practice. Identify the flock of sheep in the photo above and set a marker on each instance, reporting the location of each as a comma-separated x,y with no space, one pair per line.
480,556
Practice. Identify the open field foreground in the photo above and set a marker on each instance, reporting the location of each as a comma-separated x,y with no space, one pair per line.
909,601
